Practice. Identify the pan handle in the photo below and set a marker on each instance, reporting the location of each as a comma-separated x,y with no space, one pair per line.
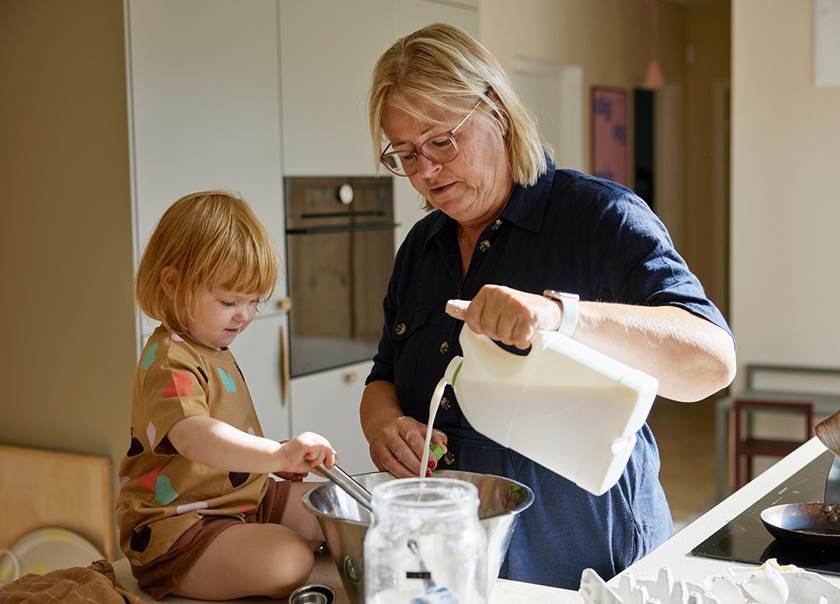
832,482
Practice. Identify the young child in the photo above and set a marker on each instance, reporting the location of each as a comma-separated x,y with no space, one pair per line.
199,514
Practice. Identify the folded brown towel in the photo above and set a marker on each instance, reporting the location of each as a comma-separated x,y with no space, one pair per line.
96,583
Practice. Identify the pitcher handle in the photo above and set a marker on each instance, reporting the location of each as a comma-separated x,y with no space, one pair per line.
455,309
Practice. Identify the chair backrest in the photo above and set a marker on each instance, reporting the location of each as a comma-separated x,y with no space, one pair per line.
805,408
746,444
793,378
40,488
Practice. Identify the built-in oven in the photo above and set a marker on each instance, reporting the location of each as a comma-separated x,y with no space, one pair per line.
339,256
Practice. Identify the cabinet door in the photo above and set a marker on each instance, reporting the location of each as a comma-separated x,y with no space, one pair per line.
328,403
259,353
328,50
409,16
205,107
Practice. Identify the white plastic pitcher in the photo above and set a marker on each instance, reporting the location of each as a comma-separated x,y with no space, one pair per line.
566,406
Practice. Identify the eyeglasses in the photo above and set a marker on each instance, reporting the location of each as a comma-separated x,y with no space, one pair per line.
440,149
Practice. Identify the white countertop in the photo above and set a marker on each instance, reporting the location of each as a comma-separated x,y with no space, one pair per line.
673,553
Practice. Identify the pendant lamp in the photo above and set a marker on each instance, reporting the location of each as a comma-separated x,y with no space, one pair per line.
654,78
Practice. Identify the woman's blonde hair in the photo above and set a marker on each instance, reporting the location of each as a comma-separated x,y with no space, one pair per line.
443,67
212,239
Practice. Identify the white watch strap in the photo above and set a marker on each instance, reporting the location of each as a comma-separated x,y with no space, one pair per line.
571,310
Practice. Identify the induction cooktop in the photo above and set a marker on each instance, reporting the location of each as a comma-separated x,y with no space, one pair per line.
744,538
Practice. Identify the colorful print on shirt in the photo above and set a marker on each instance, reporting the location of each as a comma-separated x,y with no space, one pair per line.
162,493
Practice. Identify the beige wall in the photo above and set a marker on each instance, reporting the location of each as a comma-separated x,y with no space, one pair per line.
610,39
65,249
705,207
785,201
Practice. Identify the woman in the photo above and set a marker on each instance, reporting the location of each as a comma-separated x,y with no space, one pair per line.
506,227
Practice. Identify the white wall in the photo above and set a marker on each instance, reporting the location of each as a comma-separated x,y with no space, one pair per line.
785,197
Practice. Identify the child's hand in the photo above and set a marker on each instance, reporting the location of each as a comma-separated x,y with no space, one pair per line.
304,452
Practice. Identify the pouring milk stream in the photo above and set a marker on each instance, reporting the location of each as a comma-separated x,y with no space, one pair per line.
566,406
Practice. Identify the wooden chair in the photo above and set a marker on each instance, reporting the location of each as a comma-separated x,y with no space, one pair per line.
749,446
40,488
819,385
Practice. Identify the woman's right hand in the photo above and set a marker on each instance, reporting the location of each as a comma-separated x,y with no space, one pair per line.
398,447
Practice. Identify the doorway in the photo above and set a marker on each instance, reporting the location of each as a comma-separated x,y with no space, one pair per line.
553,92
644,123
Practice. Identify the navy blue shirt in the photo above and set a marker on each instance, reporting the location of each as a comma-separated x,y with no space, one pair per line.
569,232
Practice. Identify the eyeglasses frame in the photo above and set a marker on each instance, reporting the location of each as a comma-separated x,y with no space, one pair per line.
419,148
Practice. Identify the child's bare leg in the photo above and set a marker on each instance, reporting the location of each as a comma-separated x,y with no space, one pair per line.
298,518
249,560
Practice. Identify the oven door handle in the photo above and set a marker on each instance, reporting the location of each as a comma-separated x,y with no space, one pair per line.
284,368
345,228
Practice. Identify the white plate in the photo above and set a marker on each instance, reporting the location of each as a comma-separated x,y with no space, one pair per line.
47,549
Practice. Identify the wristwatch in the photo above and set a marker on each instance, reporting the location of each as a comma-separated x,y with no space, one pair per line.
571,310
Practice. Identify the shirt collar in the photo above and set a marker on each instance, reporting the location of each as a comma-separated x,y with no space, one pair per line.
437,225
525,207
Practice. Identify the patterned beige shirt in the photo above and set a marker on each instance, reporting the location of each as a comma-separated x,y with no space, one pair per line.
163,493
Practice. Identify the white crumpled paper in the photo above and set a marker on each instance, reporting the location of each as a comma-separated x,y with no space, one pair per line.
771,583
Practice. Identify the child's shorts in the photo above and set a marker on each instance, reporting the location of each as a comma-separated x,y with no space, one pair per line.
163,575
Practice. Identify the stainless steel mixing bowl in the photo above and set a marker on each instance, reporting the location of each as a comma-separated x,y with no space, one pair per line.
345,522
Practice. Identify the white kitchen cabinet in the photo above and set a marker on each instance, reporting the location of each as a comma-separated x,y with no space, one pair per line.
328,403
204,103
259,352
411,15
327,52
205,107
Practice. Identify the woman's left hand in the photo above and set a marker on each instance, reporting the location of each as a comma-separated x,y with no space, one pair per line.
510,316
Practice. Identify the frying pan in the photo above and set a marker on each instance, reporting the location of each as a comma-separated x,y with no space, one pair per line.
815,524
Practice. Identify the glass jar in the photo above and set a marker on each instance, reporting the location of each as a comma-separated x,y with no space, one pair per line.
425,545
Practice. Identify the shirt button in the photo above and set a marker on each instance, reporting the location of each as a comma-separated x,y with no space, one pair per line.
445,403
496,224
449,458
484,245
399,329
444,347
